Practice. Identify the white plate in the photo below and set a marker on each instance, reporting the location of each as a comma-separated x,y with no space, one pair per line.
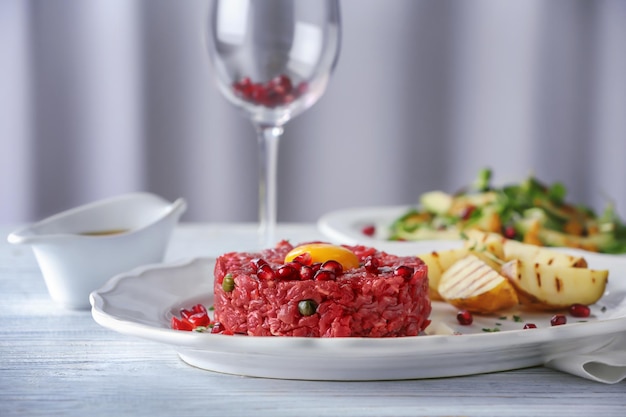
346,227
142,302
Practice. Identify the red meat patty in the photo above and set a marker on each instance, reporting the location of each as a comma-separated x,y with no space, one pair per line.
386,296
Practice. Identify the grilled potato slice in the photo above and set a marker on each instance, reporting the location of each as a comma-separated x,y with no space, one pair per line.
471,284
438,262
549,287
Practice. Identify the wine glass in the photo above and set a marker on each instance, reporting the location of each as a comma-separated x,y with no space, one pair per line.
273,60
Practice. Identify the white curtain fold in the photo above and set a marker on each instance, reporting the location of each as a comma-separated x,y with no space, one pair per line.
17,154
108,96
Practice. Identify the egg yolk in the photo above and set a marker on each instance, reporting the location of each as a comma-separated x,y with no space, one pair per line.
322,252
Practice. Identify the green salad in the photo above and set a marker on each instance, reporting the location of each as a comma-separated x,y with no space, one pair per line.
530,212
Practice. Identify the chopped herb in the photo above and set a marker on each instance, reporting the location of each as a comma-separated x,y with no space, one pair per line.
502,318
493,330
483,182
498,324
211,308
603,309
517,319
200,329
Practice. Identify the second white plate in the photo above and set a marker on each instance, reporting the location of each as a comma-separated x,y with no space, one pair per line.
346,227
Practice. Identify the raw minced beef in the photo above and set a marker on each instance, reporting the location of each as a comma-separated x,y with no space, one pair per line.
360,302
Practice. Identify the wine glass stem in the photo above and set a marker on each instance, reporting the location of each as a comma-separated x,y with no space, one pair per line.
269,138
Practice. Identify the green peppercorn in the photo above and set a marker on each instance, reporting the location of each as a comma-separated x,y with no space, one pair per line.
228,284
307,307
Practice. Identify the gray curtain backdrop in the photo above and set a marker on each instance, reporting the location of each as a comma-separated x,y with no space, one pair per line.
103,97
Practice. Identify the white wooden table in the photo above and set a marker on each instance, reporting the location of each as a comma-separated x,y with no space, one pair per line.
56,362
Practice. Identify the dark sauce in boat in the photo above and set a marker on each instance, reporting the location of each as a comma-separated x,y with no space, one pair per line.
104,232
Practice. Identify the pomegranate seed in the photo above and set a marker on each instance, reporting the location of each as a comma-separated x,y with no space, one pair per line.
244,82
217,328
288,98
277,89
199,308
287,271
324,275
294,264
579,310
257,263
369,230
509,232
332,266
464,317
306,272
185,314
302,88
558,320
178,324
259,94
371,264
244,88
530,326
316,266
265,272
304,258
273,98
283,81
199,319
403,271
466,213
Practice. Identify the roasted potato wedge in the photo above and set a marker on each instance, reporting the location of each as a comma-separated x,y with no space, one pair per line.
471,284
550,287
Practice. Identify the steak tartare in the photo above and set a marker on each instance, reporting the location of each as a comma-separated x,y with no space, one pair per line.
376,295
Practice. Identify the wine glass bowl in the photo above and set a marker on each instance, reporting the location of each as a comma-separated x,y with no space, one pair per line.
273,60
